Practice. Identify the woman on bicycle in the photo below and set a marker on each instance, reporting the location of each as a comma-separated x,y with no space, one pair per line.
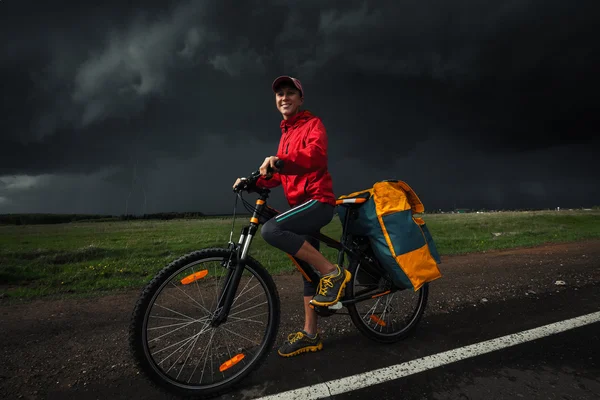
308,188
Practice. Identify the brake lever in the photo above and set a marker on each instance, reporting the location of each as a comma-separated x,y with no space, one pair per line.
245,182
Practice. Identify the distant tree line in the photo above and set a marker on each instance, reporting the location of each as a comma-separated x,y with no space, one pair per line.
164,216
40,219
35,219
32,219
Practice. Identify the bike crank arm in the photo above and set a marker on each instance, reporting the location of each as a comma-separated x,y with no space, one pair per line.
364,297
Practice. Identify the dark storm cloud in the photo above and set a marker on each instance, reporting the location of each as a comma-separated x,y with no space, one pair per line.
497,60
111,87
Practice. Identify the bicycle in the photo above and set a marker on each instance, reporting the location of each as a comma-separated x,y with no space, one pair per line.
188,302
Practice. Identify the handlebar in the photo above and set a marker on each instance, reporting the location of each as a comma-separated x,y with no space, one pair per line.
278,164
247,183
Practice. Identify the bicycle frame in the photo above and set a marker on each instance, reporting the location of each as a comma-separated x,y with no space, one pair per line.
262,213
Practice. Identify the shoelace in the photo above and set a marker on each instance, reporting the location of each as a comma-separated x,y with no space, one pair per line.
292,337
324,284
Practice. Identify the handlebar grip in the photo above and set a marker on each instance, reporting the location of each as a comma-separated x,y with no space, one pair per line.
278,164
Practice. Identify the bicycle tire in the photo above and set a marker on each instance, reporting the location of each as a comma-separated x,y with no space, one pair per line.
140,348
369,326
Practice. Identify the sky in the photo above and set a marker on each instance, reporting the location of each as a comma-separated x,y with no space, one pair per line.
158,106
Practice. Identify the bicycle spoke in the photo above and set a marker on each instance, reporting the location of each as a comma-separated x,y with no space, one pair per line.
248,319
227,344
198,363
173,318
190,343
186,341
202,332
198,287
250,299
168,333
229,340
212,367
372,311
385,308
193,300
244,290
207,350
250,308
243,337
173,311
392,318
218,361
181,323
219,285
188,356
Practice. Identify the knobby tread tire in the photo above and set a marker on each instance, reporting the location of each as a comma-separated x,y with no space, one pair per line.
377,337
137,322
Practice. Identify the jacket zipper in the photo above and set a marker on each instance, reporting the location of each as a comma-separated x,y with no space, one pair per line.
286,151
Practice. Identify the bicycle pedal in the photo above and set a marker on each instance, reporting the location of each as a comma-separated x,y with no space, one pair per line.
325,311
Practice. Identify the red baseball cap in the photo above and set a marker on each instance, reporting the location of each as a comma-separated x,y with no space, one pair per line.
290,79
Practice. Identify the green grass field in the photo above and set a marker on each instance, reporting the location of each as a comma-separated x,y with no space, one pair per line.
93,257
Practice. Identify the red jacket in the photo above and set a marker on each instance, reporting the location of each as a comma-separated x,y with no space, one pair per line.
303,148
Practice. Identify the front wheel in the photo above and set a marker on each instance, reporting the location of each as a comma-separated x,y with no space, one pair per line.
172,337
387,317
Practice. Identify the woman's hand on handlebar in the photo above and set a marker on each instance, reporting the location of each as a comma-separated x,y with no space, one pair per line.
268,163
237,182
246,184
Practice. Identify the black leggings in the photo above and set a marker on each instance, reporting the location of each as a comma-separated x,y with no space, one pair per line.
288,231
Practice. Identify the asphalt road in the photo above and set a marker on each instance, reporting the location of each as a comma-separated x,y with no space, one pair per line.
561,366
77,349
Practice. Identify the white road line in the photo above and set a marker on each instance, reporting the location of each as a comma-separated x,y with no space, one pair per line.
360,381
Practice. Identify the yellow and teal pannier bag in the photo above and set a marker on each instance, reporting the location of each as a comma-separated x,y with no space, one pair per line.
401,242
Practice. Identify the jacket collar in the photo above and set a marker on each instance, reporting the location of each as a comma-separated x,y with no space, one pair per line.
301,117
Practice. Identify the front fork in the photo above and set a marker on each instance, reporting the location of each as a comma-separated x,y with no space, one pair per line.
235,267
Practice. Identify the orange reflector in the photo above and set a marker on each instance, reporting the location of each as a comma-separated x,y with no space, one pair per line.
254,220
381,294
194,277
230,363
377,320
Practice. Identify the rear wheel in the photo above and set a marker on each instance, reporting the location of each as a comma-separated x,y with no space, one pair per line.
171,335
383,318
